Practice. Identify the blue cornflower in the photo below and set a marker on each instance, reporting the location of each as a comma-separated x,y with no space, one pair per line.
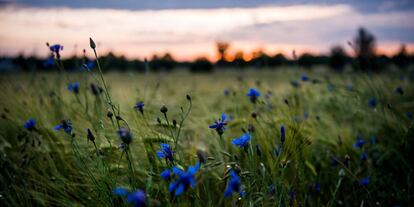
305,115
364,156
66,125
359,142
185,179
271,189
292,196
166,152
50,61
90,64
409,115
220,125
137,198
74,87
304,77
282,134
317,187
253,94
372,102
349,87
30,124
55,49
120,191
234,185
399,90
364,181
294,83
242,141
125,135
166,174
139,106
226,92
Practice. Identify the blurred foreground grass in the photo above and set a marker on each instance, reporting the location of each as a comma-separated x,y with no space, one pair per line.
318,164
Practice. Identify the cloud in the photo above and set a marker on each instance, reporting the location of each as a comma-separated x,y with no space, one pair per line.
363,6
189,33
320,34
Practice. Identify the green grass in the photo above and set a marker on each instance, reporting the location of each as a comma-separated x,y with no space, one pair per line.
45,167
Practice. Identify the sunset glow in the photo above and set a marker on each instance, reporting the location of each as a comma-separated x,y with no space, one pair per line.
191,33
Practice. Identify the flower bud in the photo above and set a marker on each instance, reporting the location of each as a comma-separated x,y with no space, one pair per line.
164,109
90,136
92,43
110,114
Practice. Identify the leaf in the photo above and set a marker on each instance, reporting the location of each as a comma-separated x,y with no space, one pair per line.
311,167
156,137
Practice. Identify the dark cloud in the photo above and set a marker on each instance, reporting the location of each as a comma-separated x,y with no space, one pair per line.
398,34
365,5
327,31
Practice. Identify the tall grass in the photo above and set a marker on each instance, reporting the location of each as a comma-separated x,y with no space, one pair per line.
317,165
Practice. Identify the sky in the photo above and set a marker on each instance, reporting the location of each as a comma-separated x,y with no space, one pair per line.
189,29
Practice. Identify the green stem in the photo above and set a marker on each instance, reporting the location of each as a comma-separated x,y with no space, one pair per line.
107,95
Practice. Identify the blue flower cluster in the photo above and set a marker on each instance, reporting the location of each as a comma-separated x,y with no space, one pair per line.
136,198
166,152
64,125
220,125
184,181
30,124
242,141
234,185
253,94
74,87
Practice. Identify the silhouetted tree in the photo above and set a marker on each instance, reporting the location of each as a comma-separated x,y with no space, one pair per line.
338,58
166,62
260,59
239,60
201,65
222,48
277,60
382,62
306,60
364,46
401,59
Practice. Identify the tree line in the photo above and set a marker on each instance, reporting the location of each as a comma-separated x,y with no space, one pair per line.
362,58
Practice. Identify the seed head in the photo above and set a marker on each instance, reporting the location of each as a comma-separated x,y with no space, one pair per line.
282,134
92,43
110,114
90,136
164,109
254,115
202,156
125,135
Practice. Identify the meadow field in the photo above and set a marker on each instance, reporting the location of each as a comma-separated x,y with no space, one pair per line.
290,137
